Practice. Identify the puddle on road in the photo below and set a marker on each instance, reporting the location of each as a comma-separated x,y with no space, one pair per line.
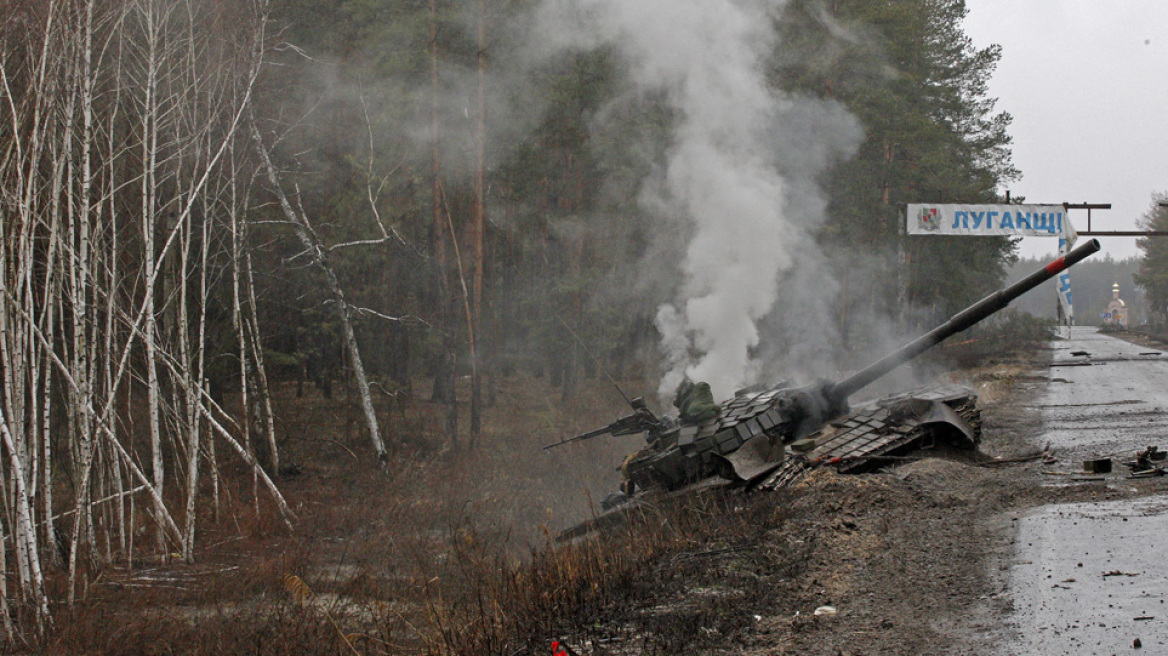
1083,405
1091,578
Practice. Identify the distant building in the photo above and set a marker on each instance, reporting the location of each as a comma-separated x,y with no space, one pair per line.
1116,312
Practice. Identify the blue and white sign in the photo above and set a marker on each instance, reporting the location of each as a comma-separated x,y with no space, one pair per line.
1064,285
990,220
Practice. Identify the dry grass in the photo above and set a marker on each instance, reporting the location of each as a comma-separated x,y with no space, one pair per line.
450,552
1004,338
405,562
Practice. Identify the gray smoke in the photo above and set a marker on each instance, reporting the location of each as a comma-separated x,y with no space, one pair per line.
740,176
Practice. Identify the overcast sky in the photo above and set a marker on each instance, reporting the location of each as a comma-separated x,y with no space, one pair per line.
1087,84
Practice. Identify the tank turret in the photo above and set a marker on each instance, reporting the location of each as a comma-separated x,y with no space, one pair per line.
748,437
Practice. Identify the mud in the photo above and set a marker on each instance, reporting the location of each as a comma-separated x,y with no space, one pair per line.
945,555
1087,576
964,554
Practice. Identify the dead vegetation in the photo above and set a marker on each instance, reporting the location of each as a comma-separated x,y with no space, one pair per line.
396,562
1008,337
452,552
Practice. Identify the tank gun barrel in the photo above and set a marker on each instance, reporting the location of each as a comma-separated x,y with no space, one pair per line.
959,322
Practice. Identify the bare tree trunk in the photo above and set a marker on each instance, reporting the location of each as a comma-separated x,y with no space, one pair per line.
108,111
150,111
478,223
317,252
445,389
257,351
9,632
23,537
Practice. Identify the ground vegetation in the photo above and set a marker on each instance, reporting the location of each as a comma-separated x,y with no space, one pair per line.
243,241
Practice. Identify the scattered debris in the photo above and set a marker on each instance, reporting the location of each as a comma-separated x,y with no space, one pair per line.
1116,572
1081,353
1097,466
830,610
1151,353
1144,465
1153,454
1143,618
1009,461
1148,473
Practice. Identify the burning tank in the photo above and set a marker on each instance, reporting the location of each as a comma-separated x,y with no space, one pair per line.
745,439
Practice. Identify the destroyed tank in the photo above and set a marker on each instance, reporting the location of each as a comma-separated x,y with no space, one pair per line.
746,442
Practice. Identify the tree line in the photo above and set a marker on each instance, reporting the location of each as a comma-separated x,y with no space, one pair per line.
1153,271
201,199
1092,282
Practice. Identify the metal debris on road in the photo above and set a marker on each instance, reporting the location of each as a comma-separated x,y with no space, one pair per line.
1097,466
1144,466
1148,473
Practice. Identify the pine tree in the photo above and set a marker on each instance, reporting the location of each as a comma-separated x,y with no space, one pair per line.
1153,275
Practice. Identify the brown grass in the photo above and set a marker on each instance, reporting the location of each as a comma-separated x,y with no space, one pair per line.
403,562
450,552
1004,338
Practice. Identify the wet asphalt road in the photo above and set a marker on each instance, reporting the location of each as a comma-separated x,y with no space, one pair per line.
1092,578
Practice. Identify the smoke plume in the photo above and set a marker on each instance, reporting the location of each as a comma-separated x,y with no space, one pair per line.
740,174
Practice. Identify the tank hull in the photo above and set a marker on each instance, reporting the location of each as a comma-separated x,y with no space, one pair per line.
871,435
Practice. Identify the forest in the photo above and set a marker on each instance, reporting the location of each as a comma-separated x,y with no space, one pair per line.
217,214
1091,289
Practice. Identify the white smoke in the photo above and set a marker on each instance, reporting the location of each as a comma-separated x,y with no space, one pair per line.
750,206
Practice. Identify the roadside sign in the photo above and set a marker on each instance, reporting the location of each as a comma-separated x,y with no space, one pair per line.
988,220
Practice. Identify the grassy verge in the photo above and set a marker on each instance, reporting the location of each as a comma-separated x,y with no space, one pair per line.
451,552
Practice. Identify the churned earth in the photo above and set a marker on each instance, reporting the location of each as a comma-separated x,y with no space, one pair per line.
1009,550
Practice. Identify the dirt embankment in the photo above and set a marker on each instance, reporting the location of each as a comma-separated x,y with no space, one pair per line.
907,560
911,561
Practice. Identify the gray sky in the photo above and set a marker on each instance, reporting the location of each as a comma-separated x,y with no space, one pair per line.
1087,84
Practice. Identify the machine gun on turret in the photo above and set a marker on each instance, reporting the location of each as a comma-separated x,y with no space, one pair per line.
642,420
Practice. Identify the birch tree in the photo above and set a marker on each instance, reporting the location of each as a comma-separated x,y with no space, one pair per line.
119,178
318,253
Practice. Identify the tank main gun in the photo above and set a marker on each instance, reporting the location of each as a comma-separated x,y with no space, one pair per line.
806,409
959,322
